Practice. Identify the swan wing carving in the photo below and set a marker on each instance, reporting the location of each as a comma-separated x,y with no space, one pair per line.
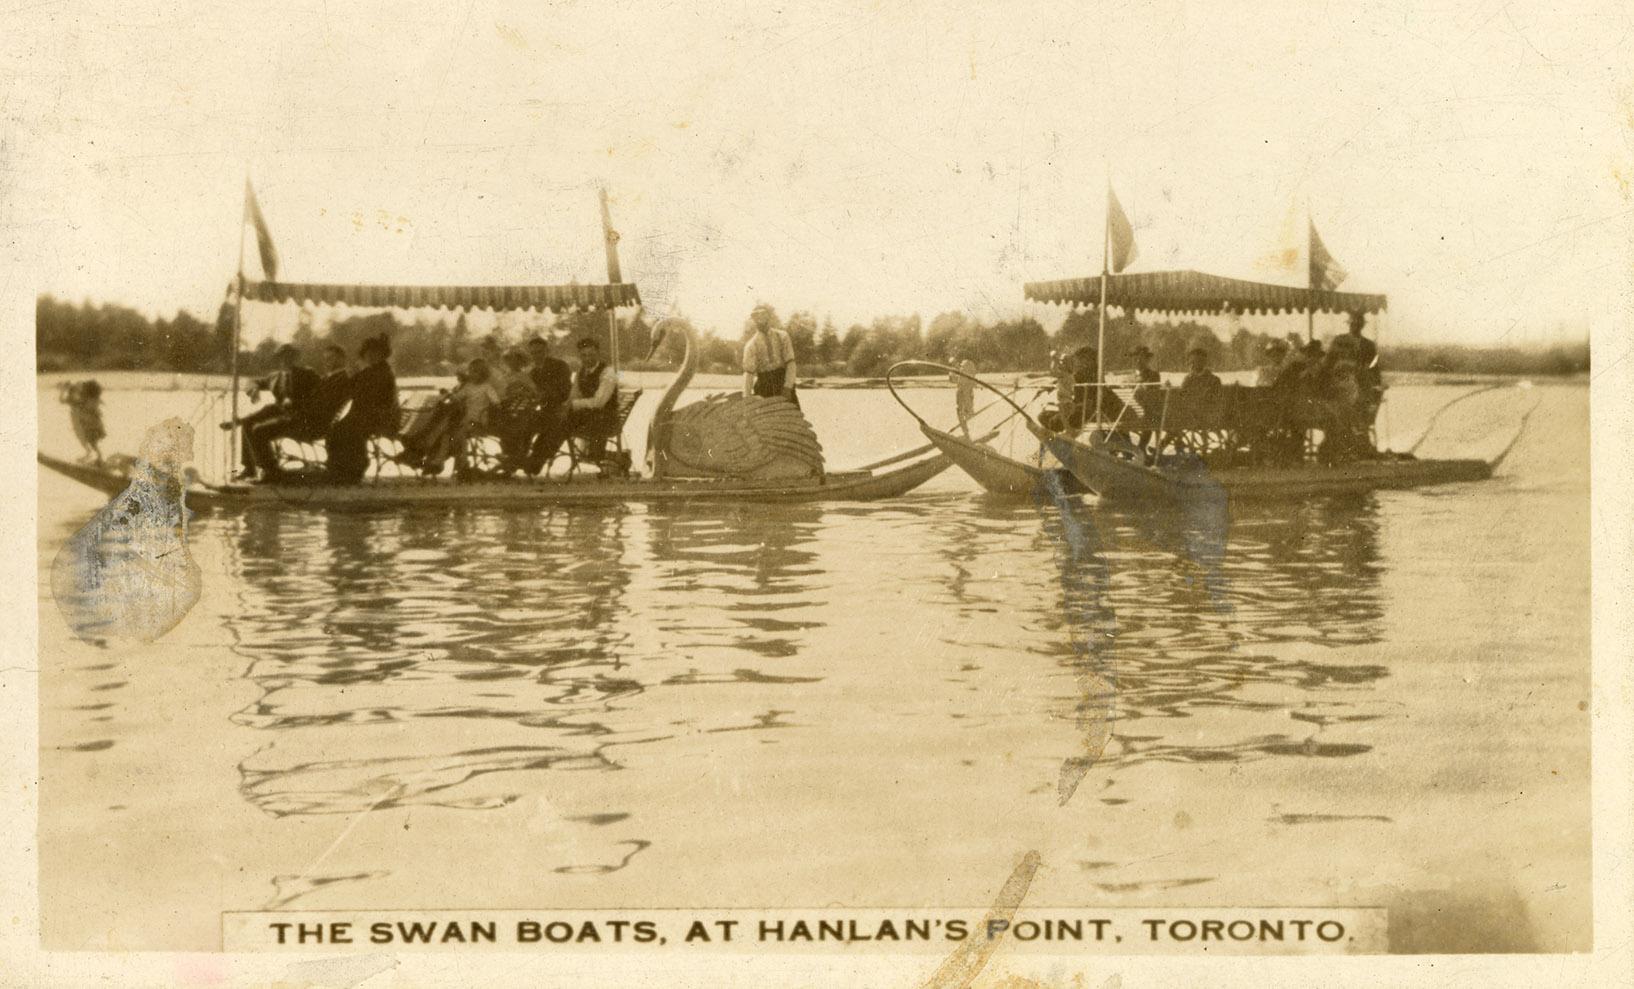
752,438
763,439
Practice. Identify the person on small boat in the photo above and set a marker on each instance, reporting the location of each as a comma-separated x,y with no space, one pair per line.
768,359
964,394
1079,376
84,401
475,400
374,412
1340,397
306,421
293,387
592,413
1369,376
553,381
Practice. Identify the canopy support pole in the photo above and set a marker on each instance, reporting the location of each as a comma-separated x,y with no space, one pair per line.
1310,274
1100,335
614,277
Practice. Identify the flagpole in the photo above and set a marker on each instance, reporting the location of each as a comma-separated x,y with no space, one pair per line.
1100,336
1310,274
613,275
238,312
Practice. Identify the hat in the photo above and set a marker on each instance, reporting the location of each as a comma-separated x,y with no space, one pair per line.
587,342
1141,349
1195,351
1276,343
538,342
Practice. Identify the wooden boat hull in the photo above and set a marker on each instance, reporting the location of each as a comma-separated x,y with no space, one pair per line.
1115,478
857,485
996,473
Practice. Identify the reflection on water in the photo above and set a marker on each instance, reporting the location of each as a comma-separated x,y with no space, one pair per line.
513,629
1157,617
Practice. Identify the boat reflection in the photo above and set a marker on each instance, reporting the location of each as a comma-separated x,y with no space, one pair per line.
1180,642
515,643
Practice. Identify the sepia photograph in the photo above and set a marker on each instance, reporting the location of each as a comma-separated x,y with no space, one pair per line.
882,493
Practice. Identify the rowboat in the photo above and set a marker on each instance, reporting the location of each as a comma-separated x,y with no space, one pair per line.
998,474
724,448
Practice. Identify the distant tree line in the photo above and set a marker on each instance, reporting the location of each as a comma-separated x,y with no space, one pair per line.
84,336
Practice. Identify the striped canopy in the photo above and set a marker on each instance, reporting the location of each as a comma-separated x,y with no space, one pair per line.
556,298
1193,292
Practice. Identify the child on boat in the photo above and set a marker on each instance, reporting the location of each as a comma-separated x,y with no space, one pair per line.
476,399
84,401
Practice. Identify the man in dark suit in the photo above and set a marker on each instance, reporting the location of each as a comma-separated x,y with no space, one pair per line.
553,379
307,421
293,387
374,412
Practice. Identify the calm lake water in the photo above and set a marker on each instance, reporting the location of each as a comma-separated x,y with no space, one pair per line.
1370,701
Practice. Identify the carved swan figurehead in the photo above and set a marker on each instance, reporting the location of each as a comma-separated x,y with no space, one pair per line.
763,439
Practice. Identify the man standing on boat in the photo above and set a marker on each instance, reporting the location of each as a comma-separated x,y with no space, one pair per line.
768,358
553,380
1369,378
592,412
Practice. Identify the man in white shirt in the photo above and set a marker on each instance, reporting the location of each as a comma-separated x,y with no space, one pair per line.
592,409
768,359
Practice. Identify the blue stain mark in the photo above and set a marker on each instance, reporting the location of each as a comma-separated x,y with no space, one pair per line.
127,574
1084,576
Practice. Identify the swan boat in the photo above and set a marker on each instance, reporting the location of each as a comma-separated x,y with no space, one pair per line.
1208,464
725,448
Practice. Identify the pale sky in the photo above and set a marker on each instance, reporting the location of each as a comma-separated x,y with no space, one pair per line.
1472,160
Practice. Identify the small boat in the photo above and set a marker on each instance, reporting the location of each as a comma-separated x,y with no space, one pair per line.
996,472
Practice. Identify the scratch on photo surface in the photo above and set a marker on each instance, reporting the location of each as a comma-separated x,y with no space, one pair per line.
968,960
280,898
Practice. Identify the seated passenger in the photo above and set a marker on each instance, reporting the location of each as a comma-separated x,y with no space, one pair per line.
553,381
292,388
374,412
1149,397
308,421
592,413
474,401
1200,381
1275,356
515,418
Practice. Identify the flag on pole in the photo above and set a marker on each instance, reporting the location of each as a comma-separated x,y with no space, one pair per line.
1122,234
1326,273
263,236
